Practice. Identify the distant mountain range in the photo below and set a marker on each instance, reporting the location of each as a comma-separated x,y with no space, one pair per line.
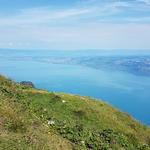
138,65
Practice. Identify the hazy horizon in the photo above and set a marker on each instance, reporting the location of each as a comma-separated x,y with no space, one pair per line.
80,24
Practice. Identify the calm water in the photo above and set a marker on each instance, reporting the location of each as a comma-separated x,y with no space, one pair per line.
128,92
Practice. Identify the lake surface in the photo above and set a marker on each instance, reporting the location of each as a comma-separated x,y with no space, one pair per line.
124,90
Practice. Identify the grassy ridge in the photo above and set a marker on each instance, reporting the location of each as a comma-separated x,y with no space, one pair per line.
40,120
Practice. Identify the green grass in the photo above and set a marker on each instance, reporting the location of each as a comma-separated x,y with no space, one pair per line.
39,120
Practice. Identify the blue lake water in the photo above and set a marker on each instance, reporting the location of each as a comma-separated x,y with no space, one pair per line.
126,91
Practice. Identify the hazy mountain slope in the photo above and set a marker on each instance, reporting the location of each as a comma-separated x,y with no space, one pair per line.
37,119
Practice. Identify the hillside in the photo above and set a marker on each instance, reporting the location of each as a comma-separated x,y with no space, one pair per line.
32,119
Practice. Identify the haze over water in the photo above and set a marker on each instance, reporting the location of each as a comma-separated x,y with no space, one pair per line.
125,90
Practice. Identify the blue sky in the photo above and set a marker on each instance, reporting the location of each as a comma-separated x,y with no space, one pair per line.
75,24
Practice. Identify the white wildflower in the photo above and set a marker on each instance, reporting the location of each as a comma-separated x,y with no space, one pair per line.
63,101
51,122
45,109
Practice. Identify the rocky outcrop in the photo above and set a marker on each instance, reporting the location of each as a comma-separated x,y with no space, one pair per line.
28,83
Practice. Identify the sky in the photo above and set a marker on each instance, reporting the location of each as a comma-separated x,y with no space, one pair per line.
75,24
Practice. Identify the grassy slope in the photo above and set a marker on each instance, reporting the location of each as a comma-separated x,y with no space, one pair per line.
77,122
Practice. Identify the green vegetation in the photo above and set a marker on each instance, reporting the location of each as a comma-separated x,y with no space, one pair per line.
32,119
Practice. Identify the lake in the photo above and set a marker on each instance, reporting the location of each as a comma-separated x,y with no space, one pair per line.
124,90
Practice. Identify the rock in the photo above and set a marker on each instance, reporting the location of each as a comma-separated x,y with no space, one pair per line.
28,83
